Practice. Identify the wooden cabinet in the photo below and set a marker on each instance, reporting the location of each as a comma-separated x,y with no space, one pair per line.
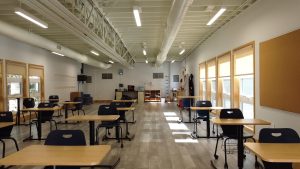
152,96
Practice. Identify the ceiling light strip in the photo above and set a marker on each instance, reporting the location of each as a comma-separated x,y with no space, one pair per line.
217,15
137,17
31,18
59,54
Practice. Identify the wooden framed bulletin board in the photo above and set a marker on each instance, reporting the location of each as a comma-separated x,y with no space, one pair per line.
280,72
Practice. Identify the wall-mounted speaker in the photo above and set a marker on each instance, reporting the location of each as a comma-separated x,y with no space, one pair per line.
120,71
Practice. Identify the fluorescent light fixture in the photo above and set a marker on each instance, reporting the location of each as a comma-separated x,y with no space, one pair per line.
144,52
172,61
57,53
146,60
182,51
136,13
110,61
94,52
217,15
31,18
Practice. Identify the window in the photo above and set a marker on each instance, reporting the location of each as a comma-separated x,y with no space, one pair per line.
224,82
175,78
212,82
244,80
107,76
158,75
202,86
14,90
35,88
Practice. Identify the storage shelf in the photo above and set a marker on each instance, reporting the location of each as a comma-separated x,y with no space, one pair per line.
152,96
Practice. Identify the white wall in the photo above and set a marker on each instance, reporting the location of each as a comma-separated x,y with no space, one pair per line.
266,19
60,72
141,75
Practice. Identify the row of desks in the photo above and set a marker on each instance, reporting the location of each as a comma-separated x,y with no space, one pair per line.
41,155
266,151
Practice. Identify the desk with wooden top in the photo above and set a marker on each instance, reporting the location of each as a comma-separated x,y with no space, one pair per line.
6,124
39,125
66,106
195,135
92,119
128,109
42,155
240,123
190,112
276,152
125,101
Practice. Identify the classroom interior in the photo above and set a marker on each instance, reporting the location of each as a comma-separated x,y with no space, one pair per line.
135,89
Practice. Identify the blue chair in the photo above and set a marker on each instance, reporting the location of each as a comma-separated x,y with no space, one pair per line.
186,104
278,135
5,132
109,110
65,138
231,131
78,107
54,99
202,115
28,103
45,116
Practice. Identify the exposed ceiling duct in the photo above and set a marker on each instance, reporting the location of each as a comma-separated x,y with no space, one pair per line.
36,40
176,15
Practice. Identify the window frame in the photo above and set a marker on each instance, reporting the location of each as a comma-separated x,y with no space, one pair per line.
222,59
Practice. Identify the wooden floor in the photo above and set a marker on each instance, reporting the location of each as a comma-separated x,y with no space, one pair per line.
159,142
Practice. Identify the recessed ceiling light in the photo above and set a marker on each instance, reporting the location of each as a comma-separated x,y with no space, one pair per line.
57,53
182,51
31,18
136,13
110,61
94,52
172,61
146,60
144,52
217,15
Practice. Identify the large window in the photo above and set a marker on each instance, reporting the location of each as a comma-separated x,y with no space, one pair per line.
244,80
224,82
14,90
212,82
202,86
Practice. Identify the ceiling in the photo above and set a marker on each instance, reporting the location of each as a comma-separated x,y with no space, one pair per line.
192,32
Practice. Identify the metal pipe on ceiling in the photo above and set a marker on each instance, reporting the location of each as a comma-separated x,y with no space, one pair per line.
176,15
36,40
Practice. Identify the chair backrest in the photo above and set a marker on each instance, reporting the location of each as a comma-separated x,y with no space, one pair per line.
203,103
230,130
125,97
28,102
6,116
53,98
107,110
46,115
186,103
79,105
278,135
66,138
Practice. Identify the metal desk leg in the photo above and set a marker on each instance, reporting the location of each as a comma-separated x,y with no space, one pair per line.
240,147
92,132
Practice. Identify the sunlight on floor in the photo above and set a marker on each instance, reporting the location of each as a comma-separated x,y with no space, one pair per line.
187,140
181,133
170,114
172,118
178,126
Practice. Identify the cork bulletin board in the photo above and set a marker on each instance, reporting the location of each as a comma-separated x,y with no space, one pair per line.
280,72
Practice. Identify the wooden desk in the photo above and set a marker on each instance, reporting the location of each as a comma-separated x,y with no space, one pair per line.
6,124
128,109
276,152
195,135
39,124
240,123
124,101
91,119
66,105
41,155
